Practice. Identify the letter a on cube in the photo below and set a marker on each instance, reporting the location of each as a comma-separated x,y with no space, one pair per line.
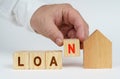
54,59
71,47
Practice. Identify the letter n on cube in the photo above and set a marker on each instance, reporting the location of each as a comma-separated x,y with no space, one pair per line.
71,47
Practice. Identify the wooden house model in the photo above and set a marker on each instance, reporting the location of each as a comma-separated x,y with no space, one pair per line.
97,51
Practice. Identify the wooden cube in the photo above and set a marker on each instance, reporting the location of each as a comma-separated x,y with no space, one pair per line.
97,51
53,59
71,47
21,60
37,60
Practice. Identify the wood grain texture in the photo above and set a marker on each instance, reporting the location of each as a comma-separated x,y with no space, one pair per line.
37,60
71,47
53,59
21,60
97,51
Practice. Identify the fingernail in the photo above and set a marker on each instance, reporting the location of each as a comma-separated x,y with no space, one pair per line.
59,41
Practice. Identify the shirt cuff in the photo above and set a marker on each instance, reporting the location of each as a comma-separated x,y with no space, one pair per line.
23,11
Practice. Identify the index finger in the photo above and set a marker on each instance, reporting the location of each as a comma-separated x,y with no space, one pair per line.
73,17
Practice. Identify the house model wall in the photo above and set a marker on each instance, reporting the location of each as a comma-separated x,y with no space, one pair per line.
97,51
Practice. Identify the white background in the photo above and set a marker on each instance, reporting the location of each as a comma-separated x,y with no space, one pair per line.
103,15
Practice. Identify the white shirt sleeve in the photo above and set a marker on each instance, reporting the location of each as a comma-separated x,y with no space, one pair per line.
22,10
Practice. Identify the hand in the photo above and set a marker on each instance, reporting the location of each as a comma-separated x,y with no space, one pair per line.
59,21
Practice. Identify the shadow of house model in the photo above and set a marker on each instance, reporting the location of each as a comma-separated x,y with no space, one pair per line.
97,51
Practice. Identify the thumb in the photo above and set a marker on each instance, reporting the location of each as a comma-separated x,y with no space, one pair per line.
55,34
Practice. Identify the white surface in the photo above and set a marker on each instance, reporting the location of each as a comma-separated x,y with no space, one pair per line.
103,15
